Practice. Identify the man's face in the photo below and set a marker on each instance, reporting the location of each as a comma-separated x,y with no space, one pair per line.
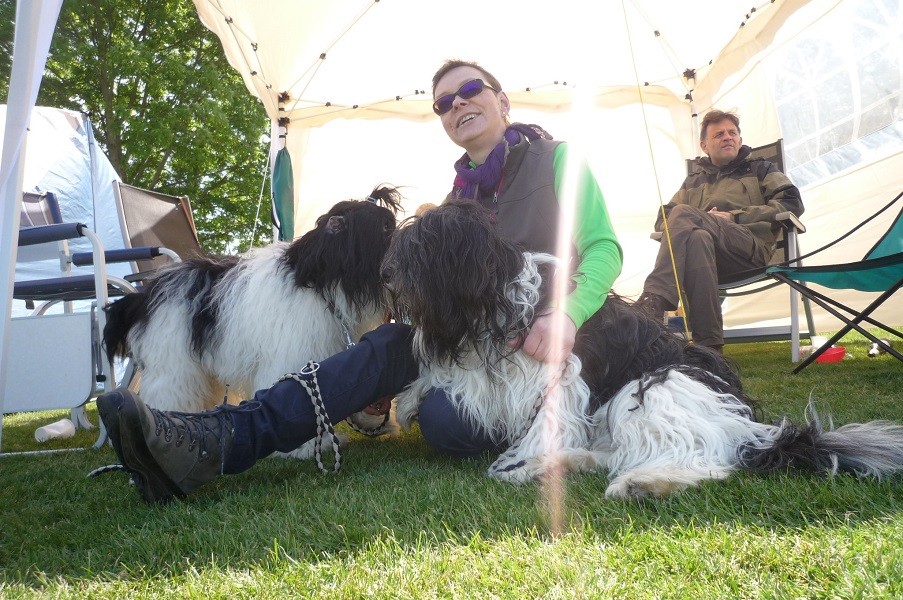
722,142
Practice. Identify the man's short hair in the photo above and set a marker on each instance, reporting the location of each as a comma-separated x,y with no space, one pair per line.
454,63
716,116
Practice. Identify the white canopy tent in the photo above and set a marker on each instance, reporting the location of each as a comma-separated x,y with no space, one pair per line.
35,22
608,76
347,87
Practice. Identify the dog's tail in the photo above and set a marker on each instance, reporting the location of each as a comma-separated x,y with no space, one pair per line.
873,449
121,316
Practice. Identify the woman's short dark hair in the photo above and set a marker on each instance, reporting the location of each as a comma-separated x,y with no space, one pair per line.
716,116
454,63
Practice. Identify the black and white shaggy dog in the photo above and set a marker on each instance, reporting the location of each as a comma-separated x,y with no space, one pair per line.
656,413
208,323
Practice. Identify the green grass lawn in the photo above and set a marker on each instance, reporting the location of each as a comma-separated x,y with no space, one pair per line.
400,521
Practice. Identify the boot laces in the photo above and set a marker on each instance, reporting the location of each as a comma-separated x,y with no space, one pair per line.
194,426
197,425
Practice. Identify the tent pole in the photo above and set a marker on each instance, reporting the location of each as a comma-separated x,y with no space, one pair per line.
35,22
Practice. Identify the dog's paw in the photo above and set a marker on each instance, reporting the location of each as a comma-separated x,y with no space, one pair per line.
306,450
515,474
658,482
523,470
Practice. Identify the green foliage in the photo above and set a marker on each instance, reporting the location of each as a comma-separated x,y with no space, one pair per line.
169,111
400,521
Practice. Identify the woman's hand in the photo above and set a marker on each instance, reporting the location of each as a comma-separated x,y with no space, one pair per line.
551,338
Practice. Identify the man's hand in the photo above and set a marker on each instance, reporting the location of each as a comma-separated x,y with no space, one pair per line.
551,338
720,213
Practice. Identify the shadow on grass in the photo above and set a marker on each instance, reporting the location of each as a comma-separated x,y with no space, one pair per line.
57,524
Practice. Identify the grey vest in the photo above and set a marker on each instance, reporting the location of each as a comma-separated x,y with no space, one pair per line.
527,208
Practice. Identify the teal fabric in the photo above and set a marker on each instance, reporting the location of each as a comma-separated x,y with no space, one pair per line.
284,196
878,271
892,242
876,275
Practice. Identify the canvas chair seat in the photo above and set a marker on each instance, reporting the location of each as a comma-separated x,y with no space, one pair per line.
880,270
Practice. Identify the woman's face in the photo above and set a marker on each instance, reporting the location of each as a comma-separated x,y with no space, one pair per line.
477,124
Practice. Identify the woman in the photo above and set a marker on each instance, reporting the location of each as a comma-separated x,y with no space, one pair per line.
518,172
502,162
514,170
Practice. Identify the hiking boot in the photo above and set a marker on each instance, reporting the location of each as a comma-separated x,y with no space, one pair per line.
168,454
654,305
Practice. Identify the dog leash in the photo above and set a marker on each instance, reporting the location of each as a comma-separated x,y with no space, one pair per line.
512,450
349,343
346,331
307,377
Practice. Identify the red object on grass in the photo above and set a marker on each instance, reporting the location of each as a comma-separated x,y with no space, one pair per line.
832,354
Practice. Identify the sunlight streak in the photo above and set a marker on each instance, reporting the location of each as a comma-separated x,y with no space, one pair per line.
583,103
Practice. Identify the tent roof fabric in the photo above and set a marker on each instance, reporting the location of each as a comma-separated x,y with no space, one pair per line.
373,59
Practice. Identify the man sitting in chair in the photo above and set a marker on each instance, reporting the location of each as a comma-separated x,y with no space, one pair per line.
721,222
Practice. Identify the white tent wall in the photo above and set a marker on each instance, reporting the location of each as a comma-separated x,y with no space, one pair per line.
61,156
821,66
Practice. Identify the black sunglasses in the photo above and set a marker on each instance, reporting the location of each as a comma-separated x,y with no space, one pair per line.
467,91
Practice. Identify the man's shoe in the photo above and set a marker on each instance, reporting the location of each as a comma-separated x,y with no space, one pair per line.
168,454
655,306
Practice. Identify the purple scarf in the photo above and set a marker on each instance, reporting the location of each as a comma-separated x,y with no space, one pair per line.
485,179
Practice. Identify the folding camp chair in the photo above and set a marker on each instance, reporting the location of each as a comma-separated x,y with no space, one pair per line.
151,219
787,252
56,360
880,270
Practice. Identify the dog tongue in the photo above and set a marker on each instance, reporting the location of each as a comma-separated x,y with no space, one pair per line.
380,407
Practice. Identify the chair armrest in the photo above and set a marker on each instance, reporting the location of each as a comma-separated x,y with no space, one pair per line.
42,234
788,220
82,259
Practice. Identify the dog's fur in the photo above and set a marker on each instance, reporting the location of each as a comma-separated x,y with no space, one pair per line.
208,325
655,412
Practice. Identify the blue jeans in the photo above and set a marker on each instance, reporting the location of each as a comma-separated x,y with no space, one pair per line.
282,417
447,432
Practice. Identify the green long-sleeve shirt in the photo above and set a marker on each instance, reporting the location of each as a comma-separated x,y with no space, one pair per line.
594,238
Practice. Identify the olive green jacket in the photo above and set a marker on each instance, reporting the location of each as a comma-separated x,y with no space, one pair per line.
751,189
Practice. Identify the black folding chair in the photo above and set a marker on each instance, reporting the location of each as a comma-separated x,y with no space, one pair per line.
787,252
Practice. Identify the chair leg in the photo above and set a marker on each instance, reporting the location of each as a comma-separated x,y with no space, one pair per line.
810,322
79,417
851,324
794,326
